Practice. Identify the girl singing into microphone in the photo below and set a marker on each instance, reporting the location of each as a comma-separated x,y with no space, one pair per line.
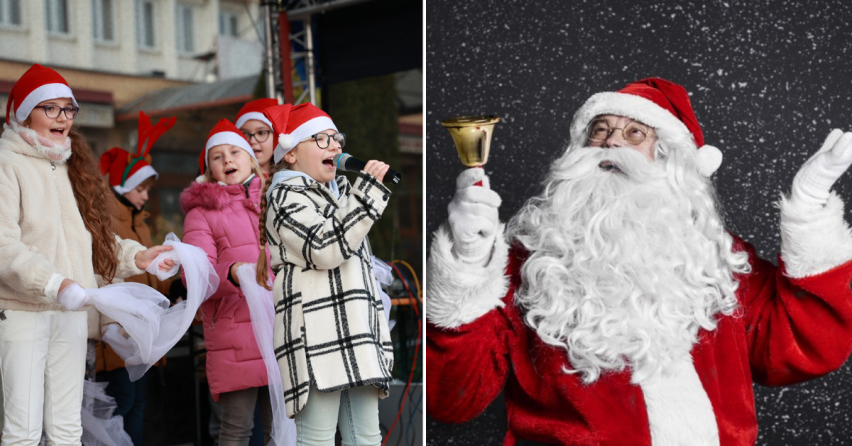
331,336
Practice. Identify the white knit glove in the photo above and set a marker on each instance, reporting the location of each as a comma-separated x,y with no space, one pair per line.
473,217
73,297
813,182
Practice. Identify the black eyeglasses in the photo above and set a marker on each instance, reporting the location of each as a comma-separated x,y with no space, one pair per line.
260,136
52,111
324,139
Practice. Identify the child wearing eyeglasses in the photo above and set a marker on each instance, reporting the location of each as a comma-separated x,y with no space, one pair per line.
258,130
56,235
331,336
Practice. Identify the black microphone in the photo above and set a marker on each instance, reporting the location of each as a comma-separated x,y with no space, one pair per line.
348,163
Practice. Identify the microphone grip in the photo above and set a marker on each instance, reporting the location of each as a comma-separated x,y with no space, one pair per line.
348,163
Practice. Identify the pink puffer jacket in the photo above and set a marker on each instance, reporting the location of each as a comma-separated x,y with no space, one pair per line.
222,220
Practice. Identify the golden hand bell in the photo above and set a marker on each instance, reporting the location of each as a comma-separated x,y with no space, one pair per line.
472,137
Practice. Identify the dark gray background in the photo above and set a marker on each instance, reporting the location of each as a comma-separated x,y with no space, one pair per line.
768,81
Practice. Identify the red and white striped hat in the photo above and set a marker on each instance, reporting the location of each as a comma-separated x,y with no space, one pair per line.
38,84
127,171
254,110
224,132
296,124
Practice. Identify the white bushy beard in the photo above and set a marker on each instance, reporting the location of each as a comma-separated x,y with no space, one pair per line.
58,153
625,266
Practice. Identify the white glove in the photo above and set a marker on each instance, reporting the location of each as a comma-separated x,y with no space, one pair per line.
473,217
813,182
73,297
116,329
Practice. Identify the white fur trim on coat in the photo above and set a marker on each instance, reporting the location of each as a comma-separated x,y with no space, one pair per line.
136,179
813,239
679,411
459,293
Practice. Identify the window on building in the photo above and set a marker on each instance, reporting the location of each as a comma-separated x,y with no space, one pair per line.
57,16
10,12
103,20
228,24
184,29
145,29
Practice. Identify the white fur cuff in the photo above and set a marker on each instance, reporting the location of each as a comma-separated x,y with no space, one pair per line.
458,293
813,239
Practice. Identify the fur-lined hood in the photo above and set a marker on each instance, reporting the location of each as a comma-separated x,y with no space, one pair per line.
214,196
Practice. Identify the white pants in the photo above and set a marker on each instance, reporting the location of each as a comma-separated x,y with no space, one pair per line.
42,362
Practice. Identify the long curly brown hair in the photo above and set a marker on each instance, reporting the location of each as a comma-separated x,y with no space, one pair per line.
262,266
97,209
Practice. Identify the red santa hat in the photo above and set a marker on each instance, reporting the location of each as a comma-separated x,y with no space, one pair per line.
38,84
254,110
126,170
296,124
656,102
224,132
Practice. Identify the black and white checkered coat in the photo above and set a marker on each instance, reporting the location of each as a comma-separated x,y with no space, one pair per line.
330,327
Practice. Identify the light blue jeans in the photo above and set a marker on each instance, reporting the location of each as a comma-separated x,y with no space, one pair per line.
355,410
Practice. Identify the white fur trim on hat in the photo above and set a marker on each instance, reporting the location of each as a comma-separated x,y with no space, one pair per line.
300,134
252,115
280,150
708,159
136,179
44,93
228,138
668,127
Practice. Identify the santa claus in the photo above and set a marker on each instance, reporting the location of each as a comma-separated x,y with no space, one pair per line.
616,309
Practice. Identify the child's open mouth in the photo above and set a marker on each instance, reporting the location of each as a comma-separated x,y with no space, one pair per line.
58,132
329,162
230,171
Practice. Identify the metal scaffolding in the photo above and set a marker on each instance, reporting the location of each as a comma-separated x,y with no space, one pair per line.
277,16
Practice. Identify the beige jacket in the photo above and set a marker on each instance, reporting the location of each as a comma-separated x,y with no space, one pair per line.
42,236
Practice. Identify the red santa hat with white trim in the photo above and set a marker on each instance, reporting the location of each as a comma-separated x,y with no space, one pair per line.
296,124
254,110
38,84
225,132
658,103
126,170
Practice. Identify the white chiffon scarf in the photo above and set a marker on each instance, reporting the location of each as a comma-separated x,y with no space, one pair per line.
155,327
262,308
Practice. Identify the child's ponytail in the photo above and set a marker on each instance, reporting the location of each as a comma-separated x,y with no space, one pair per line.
262,264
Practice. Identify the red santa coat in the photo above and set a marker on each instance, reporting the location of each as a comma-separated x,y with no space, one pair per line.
790,330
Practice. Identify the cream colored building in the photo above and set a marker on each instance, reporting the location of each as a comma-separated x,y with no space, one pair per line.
160,38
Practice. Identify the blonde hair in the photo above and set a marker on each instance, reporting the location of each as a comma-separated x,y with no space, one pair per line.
255,168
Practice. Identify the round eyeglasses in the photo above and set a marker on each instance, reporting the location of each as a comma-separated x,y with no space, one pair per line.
323,139
260,136
634,132
52,111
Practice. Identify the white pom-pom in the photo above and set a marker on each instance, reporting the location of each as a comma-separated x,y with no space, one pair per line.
708,159
285,141
200,179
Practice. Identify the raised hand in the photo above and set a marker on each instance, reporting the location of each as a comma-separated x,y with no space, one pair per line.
473,217
813,182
